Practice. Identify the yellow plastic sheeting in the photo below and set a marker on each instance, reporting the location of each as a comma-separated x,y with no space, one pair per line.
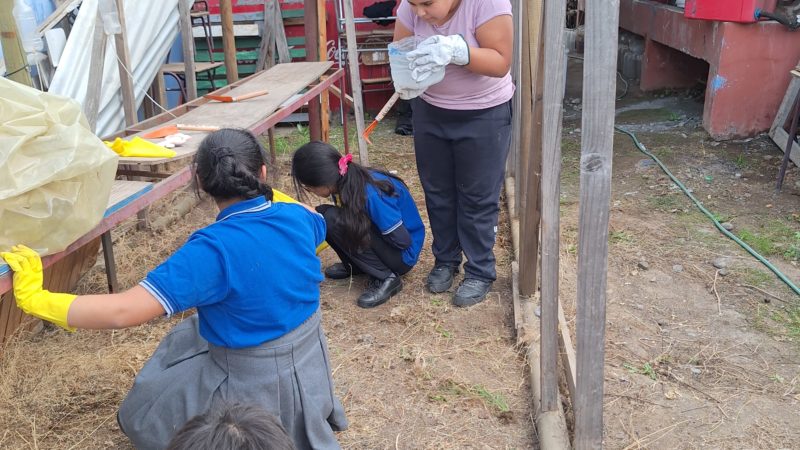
55,174
278,196
138,147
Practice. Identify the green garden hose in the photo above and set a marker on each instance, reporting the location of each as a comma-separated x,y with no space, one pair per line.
700,206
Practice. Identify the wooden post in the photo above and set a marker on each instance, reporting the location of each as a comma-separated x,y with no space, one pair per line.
355,80
125,69
228,40
555,66
187,41
266,52
91,106
310,26
322,38
14,55
597,145
532,171
513,163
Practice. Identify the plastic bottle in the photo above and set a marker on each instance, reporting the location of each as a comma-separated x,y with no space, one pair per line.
26,27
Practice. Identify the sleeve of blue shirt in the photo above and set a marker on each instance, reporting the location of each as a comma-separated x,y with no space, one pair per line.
320,227
383,210
195,275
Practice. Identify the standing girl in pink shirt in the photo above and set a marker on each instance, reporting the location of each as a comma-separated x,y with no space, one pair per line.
462,131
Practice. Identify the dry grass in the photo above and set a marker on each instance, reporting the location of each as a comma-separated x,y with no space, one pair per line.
414,373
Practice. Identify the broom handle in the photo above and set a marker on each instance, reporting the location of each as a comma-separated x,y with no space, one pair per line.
387,106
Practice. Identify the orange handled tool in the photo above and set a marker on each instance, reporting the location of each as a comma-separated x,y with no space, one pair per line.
174,128
380,116
228,98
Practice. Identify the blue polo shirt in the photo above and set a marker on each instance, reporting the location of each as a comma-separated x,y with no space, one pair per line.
389,212
253,275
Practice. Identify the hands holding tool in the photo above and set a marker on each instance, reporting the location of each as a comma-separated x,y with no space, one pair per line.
433,54
31,296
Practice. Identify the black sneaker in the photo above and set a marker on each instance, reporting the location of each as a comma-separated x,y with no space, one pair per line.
471,291
379,291
441,278
340,271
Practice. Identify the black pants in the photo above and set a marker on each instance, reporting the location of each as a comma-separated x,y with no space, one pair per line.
380,260
461,157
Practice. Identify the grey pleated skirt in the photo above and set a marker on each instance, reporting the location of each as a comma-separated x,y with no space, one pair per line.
290,377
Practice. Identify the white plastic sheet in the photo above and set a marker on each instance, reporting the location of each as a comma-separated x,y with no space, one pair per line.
151,25
55,174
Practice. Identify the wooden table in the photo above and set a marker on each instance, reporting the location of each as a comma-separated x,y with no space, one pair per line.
291,86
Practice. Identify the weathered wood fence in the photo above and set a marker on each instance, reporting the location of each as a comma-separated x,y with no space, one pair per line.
533,190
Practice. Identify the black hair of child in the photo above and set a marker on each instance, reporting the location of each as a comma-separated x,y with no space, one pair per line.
316,164
233,427
228,165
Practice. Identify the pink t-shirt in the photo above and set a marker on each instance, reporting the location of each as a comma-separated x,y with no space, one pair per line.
462,88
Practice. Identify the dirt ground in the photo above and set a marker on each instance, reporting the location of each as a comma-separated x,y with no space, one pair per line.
702,344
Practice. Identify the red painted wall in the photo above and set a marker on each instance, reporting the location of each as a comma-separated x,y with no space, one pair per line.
373,101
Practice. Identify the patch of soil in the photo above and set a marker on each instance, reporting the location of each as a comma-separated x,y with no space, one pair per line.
413,373
697,355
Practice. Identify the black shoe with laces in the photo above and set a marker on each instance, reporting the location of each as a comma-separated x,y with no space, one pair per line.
471,291
379,291
441,278
340,271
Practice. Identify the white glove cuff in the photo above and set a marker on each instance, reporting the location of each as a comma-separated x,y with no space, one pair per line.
460,51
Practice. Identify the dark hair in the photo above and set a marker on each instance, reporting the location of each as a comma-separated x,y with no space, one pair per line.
233,427
316,164
228,165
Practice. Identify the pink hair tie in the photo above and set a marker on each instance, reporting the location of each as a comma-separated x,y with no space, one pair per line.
343,161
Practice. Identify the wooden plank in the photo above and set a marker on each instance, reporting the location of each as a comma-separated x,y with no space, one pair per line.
597,142
124,66
322,55
554,81
312,54
338,93
525,108
228,42
512,162
95,79
777,132
181,67
282,81
266,50
15,58
63,9
530,215
355,81
187,44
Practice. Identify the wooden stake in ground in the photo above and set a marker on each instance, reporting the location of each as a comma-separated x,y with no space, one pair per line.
597,142
355,80
228,40
187,41
310,25
124,66
554,83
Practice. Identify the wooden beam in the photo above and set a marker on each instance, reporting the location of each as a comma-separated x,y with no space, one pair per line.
777,132
63,9
228,40
14,55
187,41
554,82
266,51
125,70
355,80
310,27
324,98
338,93
91,107
597,145
530,214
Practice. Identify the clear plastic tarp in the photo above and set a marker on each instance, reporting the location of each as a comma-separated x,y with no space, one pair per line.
55,174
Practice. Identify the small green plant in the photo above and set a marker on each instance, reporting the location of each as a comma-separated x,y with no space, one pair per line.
721,217
674,117
646,369
666,202
760,243
443,332
619,237
741,161
436,301
755,277
793,252
494,400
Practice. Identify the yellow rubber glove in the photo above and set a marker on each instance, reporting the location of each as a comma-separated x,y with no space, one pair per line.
31,296
138,147
280,197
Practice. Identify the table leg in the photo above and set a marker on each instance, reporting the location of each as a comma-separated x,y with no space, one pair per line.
108,257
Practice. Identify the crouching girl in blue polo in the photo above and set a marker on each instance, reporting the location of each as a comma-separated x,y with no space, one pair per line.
374,224
253,277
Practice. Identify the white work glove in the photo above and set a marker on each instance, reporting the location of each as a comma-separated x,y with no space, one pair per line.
435,53
404,83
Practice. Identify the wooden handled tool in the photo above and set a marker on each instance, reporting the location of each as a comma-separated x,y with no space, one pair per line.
385,110
174,128
238,98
